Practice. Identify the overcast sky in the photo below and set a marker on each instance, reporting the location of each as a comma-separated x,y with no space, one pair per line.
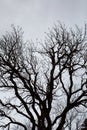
35,16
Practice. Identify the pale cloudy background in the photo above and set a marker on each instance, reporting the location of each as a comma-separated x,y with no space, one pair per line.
35,16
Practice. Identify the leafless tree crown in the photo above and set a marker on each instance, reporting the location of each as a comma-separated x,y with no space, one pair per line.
44,83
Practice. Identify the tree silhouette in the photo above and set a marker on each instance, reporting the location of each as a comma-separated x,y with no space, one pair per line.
42,83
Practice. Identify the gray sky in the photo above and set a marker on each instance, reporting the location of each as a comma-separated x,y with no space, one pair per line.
35,16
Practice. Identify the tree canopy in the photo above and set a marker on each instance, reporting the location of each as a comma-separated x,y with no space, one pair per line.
43,84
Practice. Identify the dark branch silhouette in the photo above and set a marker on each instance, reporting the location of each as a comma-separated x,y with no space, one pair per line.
43,79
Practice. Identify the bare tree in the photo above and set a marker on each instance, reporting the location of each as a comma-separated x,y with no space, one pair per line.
44,83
